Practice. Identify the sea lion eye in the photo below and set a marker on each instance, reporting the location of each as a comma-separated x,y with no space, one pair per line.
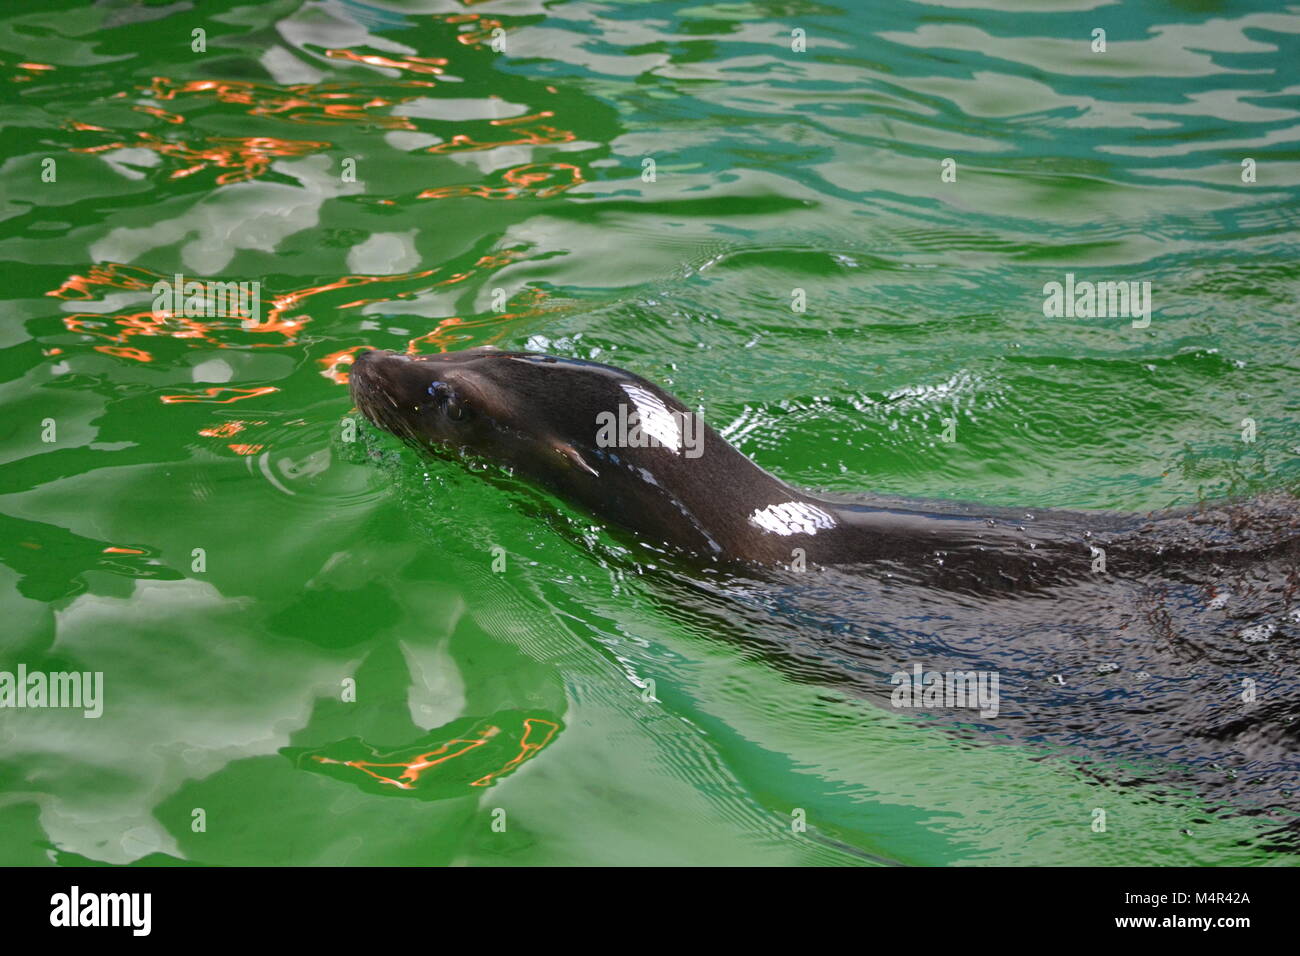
456,410
446,400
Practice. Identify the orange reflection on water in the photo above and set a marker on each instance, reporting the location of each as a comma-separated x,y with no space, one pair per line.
540,180
413,64
247,156
219,331
445,336
159,112
283,303
441,336
317,103
122,328
209,395
527,748
413,768
332,362
141,323
224,430
125,351
535,135
538,732
34,69
483,27
334,366
112,274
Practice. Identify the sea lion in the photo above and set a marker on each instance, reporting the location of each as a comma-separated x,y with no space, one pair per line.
630,452
1133,633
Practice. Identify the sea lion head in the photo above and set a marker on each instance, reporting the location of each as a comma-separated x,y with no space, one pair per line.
561,420
601,437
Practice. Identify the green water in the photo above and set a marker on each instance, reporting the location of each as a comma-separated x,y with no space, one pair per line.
504,197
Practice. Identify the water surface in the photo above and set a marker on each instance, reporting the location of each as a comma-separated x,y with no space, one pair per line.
644,184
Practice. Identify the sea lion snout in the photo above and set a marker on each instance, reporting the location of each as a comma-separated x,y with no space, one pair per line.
427,399
386,389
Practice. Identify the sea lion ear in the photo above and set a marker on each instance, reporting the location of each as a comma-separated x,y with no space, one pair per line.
574,457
